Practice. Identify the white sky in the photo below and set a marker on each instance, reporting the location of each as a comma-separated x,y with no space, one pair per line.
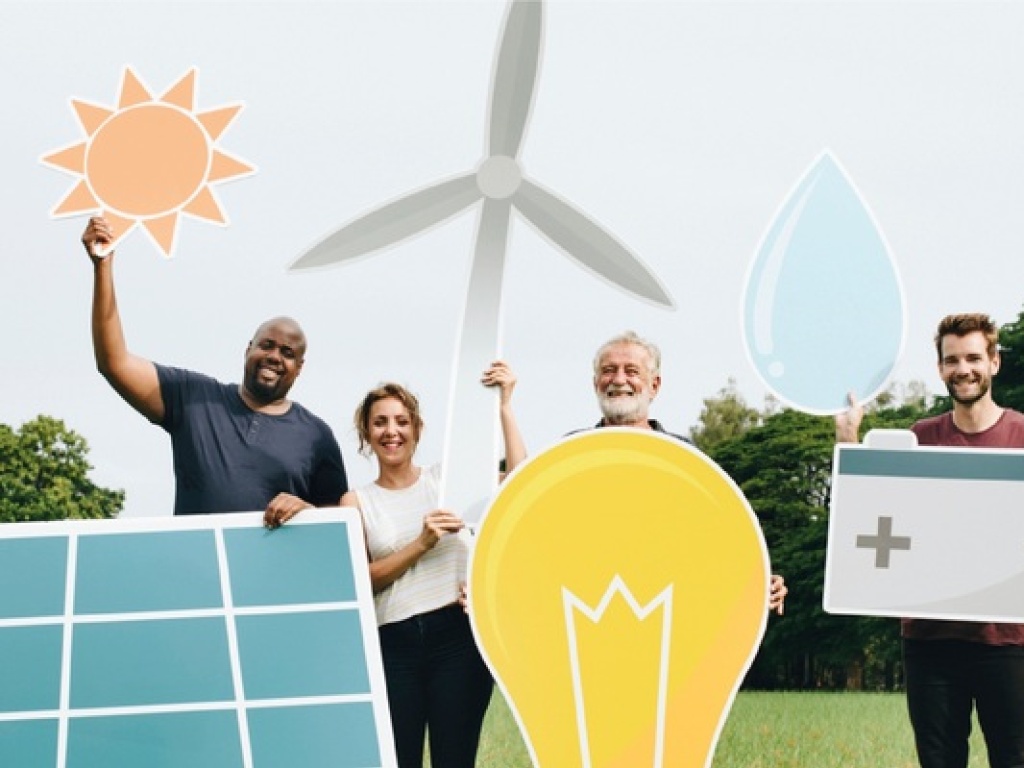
680,126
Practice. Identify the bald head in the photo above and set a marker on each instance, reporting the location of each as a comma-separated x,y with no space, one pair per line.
286,325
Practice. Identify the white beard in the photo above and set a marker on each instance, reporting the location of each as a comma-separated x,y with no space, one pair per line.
619,410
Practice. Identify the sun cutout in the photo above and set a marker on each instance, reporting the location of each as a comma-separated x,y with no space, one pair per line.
148,161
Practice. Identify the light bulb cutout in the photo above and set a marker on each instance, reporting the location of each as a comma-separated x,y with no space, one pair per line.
618,589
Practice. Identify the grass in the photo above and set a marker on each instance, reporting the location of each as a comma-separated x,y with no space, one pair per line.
775,730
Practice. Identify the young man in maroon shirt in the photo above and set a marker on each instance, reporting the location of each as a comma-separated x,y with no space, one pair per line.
953,666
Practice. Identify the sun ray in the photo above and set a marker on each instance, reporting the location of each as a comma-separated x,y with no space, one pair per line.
163,230
132,90
90,116
224,167
68,159
182,93
216,121
120,225
205,206
79,200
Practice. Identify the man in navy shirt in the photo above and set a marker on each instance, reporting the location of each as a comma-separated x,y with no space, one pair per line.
236,448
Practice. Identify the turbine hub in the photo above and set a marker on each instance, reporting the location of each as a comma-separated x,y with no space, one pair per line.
498,177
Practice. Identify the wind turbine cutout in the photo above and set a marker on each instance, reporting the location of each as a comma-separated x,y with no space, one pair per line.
470,463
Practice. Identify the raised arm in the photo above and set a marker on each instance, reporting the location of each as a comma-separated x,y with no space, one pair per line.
133,377
500,375
848,423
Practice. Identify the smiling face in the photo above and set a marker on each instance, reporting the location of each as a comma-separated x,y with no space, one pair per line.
392,432
625,384
273,360
967,367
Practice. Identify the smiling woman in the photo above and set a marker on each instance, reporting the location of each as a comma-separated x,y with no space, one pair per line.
437,681
148,161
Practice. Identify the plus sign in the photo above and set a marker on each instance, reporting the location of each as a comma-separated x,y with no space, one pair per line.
883,542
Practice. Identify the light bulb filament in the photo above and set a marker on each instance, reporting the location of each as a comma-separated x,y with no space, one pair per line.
619,661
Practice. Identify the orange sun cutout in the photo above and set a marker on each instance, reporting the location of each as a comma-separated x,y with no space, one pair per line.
148,161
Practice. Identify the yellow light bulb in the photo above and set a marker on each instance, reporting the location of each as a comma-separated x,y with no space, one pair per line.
618,590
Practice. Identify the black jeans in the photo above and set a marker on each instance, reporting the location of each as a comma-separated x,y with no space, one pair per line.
945,678
436,682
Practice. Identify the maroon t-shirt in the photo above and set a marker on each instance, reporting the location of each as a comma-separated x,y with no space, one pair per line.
1008,432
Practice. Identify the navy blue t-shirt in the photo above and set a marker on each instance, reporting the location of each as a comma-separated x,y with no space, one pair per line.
229,458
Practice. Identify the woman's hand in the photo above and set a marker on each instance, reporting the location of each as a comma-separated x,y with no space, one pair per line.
500,375
436,524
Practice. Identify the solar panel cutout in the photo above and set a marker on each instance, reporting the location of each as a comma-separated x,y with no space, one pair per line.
199,642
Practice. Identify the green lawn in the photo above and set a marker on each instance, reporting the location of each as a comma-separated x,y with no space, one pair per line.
775,730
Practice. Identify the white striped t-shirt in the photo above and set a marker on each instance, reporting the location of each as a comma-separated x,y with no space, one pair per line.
393,518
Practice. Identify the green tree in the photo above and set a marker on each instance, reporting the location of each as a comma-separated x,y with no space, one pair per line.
724,417
1009,384
44,475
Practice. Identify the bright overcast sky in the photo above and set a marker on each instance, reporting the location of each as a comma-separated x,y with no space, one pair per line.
679,126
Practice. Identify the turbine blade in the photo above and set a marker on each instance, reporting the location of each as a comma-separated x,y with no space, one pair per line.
392,223
588,243
515,75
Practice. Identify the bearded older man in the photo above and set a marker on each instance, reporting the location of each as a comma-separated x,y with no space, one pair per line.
627,377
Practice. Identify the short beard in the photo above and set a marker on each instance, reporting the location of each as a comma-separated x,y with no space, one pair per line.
263,393
623,410
983,387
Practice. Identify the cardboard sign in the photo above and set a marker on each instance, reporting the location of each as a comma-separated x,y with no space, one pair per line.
196,642
925,532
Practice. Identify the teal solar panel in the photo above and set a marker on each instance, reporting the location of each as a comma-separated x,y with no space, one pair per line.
198,642
168,570
34,574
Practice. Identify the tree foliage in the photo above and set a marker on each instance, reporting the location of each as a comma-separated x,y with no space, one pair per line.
724,417
1008,389
44,475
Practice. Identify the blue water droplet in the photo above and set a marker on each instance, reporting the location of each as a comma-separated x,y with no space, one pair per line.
823,309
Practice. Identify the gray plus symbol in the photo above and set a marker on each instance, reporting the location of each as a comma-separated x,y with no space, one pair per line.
883,542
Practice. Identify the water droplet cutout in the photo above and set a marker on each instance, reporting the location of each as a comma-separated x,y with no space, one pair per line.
823,307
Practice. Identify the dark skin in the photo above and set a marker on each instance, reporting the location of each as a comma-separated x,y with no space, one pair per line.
273,358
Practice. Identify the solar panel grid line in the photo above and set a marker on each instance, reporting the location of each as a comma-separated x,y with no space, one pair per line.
277,610
236,665
71,564
112,618
32,621
100,618
39,714
191,706
304,701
